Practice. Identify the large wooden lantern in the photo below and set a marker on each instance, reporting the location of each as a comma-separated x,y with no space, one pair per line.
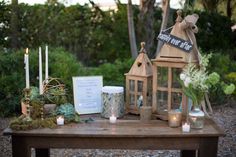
178,50
139,83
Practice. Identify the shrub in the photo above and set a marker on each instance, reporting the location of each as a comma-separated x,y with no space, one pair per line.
225,67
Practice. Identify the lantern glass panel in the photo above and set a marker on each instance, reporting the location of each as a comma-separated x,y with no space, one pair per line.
162,76
140,86
139,100
149,93
176,100
175,77
132,99
162,98
131,85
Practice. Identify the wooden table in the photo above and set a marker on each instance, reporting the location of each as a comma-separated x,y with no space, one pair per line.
125,134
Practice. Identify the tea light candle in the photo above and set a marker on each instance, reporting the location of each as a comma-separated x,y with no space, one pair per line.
60,120
186,127
112,119
174,118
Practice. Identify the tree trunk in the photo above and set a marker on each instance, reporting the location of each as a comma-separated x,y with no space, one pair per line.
132,38
14,25
165,17
210,5
229,8
146,31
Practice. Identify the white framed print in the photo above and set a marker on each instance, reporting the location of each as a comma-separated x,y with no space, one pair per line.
87,94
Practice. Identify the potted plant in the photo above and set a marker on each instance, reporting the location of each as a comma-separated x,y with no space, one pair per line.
196,82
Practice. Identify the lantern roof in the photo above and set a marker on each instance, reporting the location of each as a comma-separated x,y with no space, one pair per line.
183,29
142,65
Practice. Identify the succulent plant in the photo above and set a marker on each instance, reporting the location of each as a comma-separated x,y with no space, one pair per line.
67,110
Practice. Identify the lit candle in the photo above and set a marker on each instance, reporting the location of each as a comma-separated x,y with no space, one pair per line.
27,68
46,63
174,118
60,120
186,127
112,119
40,72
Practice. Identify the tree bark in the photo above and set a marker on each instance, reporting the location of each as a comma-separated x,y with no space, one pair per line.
229,8
165,17
210,5
14,25
146,31
132,37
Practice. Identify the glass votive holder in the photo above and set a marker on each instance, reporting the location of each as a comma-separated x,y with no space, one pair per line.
60,120
145,113
174,118
185,127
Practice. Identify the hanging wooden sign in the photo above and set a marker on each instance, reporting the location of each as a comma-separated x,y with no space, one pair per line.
175,41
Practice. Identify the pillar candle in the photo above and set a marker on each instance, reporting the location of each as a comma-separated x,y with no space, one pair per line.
26,59
46,63
40,72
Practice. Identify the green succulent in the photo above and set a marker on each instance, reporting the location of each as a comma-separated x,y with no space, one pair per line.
34,92
67,110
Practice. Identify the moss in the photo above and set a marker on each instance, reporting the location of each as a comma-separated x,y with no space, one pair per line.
21,124
36,109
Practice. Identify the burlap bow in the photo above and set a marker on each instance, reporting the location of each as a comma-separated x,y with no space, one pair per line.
189,25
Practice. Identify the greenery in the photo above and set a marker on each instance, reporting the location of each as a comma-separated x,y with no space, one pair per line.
67,110
196,81
20,124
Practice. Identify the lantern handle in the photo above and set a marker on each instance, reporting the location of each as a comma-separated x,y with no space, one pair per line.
142,50
179,16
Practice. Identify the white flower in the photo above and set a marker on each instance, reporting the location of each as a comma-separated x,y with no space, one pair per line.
182,76
187,81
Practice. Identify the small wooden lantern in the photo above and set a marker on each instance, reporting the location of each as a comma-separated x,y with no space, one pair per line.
167,66
139,83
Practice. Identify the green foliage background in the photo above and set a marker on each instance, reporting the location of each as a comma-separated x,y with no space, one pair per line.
87,41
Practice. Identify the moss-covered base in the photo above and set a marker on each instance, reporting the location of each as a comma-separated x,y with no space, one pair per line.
21,123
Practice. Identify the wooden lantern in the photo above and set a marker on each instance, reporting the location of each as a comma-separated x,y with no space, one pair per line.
167,66
139,83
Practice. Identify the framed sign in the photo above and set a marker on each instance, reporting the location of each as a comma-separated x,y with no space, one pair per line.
87,94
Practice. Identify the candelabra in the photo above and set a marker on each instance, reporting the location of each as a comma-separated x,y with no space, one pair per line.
27,102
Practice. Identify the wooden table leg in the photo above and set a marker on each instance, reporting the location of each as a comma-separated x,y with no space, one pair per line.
20,147
42,152
188,153
208,147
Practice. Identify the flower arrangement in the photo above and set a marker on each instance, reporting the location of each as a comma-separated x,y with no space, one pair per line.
196,81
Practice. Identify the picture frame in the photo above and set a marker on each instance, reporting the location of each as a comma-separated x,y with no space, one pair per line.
87,94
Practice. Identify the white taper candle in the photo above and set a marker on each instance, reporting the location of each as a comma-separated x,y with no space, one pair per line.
40,72
46,63
27,68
